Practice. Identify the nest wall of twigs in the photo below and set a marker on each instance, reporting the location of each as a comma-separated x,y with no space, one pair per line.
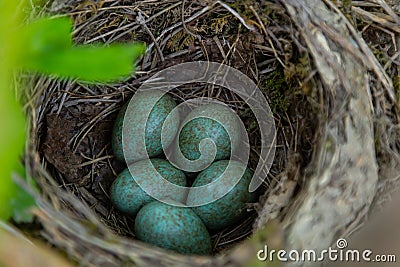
335,110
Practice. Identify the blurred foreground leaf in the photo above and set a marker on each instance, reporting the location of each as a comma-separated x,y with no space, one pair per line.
50,51
44,46
21,201
88,63
14,200
12,140
44,35
12,133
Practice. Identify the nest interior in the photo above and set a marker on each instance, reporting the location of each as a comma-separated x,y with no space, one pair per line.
70,154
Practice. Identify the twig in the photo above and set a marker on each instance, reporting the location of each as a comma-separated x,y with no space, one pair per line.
237,15
184,24
389,11
142,22
268,34
368,15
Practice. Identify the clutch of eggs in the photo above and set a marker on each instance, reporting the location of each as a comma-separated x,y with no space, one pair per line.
178,228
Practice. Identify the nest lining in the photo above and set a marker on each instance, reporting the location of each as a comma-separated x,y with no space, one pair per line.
70,150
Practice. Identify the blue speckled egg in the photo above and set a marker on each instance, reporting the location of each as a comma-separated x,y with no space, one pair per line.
198,125
229,209
171,227
136,120
128,197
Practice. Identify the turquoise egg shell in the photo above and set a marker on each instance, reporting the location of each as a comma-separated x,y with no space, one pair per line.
198,125
174,228
137,121
229,209
196,129
200,128
127,196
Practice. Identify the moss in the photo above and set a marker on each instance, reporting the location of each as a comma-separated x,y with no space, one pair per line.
297,75
346,4
282,84
275,87
180,41
242,7
381,55
253,126
218,24
225,24
270,11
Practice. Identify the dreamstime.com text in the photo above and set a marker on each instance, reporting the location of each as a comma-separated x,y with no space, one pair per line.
340,253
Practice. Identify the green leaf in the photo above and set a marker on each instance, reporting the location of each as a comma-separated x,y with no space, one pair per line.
88,63
46,47
12,138
21,204
12,119
44,36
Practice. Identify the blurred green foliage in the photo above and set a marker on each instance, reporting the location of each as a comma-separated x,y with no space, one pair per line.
12,135
44,46
47,48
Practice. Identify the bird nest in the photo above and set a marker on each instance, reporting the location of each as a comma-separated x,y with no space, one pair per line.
335,110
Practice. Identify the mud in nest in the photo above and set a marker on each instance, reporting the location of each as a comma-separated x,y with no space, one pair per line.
70,150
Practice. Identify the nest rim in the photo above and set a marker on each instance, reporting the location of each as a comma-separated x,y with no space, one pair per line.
47,183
